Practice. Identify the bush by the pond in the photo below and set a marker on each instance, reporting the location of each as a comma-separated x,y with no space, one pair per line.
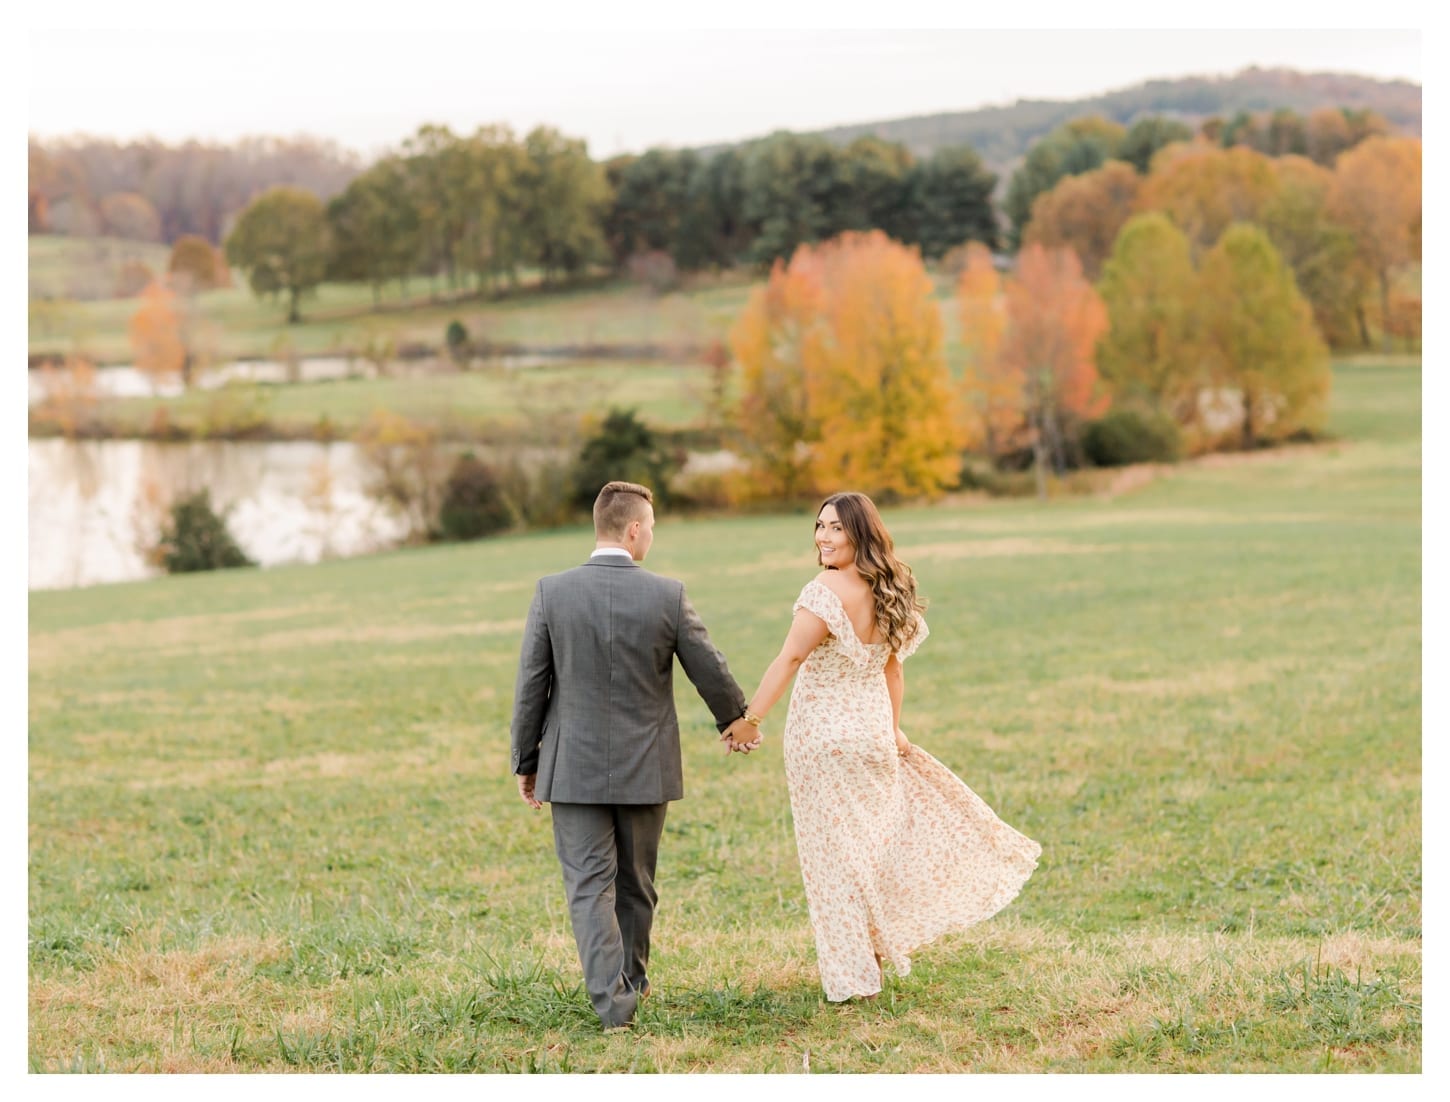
474,504
196,538
1124,436
624,449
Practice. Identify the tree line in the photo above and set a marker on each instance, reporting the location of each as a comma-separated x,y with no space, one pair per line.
1183,310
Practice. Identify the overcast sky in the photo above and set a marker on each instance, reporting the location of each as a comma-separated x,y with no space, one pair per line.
625,86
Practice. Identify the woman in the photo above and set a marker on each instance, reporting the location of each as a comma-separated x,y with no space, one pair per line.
895,850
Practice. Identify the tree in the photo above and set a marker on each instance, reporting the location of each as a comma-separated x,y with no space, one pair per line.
128,215
1054,321
1204,190
155,334
1148,135
949,202
565,194
714,231
624,448
876,374
793,194
282,242
194,265
1259,336
473,505
196,538
1322,253
1150,292
993,396
1376,195
651,199
1085,213
844,376
1075,147
374,227
768,340
875,187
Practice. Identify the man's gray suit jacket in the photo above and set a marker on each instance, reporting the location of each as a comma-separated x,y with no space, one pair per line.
594,705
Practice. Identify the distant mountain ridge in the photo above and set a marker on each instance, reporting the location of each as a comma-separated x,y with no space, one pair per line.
1002,135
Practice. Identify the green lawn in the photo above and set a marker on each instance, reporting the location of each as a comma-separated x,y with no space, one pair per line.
272,827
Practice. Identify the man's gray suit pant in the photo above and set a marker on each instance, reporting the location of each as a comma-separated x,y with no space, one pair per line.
608,854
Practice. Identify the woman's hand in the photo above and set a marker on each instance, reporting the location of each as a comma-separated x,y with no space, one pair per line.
902,746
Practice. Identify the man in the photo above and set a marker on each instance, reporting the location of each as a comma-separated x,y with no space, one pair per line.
595,735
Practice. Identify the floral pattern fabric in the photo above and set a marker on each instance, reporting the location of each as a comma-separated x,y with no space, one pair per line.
894,851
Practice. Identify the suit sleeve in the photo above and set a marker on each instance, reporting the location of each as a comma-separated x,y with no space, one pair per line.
705,667
532,689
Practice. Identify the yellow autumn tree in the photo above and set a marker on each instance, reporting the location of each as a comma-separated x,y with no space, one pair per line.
1150,289
1259,337
1204,189
877,381
844,373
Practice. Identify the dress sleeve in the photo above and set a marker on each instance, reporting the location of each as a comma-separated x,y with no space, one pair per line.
909,647
818,600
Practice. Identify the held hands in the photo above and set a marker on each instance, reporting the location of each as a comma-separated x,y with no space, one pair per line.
741,737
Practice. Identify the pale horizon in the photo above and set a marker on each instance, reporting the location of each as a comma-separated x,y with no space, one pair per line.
623,91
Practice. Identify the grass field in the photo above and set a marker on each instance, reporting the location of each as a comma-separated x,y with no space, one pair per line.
235,324
272,827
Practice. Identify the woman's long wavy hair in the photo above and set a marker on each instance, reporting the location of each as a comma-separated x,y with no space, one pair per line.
892,583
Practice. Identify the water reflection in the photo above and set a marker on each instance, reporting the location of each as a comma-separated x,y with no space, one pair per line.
96,506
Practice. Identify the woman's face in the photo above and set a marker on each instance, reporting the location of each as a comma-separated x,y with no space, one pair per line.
832,543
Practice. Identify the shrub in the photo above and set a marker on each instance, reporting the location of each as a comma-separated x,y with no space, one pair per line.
623,448
196,538
1124,436
474,505
456,337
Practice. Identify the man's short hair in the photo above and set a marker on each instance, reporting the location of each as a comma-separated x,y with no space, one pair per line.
618,505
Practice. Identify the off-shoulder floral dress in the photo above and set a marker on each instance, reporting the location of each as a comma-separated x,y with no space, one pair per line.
894,851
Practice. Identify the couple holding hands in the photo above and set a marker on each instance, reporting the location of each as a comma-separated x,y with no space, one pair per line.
894,848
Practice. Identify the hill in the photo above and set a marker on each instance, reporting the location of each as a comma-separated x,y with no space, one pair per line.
1002,135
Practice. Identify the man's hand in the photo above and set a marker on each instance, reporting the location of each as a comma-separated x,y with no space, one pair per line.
526,790
741,737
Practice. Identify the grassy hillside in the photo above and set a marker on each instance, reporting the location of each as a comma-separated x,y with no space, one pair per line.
271,825
1002,135
235,324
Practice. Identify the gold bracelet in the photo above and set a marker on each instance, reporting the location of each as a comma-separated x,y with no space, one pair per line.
752,719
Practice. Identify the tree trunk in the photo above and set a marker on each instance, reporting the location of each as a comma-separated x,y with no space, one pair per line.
1248,425
294,315
1385,310
1039,458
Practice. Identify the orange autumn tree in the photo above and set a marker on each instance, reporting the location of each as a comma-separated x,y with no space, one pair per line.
992,397
155,332
1204,189
1054,322
1085,213
1376,196
767,341
844,373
